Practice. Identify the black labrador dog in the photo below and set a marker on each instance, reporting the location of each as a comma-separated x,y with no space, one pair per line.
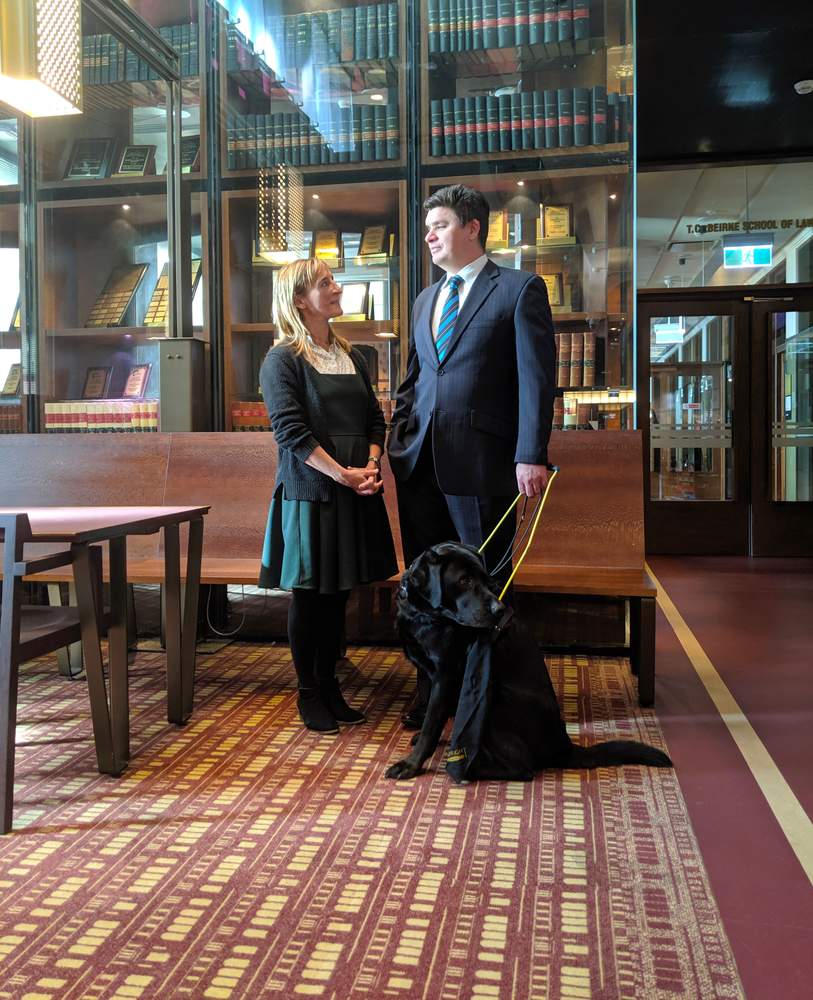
487,670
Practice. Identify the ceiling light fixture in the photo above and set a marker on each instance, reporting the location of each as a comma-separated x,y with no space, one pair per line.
41,57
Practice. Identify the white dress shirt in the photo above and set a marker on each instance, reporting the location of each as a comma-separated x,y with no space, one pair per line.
469,276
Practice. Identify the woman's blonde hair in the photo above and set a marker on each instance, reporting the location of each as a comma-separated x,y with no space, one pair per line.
292,281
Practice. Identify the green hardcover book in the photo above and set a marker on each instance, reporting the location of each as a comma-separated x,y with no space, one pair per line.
489,24
468,24
320,47
194,50
581,20
526,100
521,14
263,153
505,23
348,34
492,124
231,160
581,116
382,20
296,140
598,115
393,126
367,133
279,138
371,43
432,27
334,35
239,142
452,25
613,133
536,22
361,33
380,132
448,125
539,119
444,15
516,121
470,122
564,101
345,128
314,147
392,30
481,124
355,134
564,20
436,127
460,126
504,122
287,139
551,31
551,119
476,25
251,143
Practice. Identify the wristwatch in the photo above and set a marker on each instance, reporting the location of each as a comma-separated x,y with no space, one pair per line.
375,460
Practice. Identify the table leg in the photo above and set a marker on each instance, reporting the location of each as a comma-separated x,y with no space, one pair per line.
117,649
172,603
190,614
69,657
86,594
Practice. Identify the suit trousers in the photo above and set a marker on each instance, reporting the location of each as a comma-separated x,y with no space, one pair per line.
428,516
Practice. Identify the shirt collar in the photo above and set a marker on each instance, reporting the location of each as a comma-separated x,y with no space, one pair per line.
469,273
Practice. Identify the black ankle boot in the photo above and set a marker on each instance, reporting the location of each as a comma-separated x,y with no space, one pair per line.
334,699
314,712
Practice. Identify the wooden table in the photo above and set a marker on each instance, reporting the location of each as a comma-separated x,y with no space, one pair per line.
81,528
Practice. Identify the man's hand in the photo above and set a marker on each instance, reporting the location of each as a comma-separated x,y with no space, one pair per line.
532,479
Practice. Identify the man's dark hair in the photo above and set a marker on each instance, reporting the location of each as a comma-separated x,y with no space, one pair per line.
466,203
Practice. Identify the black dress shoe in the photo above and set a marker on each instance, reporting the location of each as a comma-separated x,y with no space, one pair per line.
314,712
413,719
342,712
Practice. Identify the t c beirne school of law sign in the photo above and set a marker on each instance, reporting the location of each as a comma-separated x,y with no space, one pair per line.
756,225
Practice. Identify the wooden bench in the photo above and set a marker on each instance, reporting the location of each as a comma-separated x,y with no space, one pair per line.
590,540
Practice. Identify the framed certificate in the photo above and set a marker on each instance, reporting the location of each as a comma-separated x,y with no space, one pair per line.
373,240
90,158
190,154
326,244
355,298
111,306
97,382
11,387
555,221
497,238
135,161
553,283
138,378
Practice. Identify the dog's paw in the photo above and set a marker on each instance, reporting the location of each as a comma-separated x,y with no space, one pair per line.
403,769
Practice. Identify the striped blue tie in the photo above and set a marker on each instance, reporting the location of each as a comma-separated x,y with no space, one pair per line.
448,317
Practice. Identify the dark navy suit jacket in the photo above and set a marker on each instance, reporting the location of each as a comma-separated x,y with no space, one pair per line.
490,402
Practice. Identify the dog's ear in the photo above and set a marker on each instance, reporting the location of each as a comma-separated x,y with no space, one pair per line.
425,579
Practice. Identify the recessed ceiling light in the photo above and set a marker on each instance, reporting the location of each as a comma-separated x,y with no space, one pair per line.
376,97
521,184
315,197
613,197
125,208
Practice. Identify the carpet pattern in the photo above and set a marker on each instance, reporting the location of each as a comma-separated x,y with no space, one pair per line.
241,856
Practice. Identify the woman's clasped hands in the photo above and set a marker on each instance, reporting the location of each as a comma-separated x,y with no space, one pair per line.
365,482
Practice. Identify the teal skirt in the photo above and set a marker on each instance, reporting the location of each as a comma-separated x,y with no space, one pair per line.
327,546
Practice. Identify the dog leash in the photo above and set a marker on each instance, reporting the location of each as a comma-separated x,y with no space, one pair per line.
537,514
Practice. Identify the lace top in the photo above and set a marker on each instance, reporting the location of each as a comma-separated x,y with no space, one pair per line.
333,361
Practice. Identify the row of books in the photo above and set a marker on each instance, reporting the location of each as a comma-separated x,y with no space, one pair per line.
575,359
341,35
541,119
105,59
11,418
250,415
568,415
75,416
469,25
349,135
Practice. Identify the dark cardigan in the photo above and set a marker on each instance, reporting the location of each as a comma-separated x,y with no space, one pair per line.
299,422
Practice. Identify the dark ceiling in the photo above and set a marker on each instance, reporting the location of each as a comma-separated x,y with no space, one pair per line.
715,80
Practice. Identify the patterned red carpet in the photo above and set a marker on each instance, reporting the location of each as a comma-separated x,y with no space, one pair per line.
243,857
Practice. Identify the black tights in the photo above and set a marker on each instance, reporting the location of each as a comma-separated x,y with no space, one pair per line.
315,632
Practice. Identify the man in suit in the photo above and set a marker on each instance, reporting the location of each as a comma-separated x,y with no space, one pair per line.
473,414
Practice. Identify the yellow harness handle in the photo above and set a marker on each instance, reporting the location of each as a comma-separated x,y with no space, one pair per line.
537,515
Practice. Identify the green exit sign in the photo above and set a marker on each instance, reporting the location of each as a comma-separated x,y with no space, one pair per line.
758,255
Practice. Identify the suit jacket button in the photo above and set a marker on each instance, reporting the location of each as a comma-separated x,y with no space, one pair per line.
440,371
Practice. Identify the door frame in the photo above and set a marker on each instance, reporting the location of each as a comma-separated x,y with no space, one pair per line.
751,524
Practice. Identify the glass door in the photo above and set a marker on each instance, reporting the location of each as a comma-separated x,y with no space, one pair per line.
693,409
782,427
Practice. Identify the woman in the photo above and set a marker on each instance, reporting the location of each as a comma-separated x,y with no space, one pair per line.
327,527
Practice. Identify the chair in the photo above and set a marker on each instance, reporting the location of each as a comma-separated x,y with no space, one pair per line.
28,631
